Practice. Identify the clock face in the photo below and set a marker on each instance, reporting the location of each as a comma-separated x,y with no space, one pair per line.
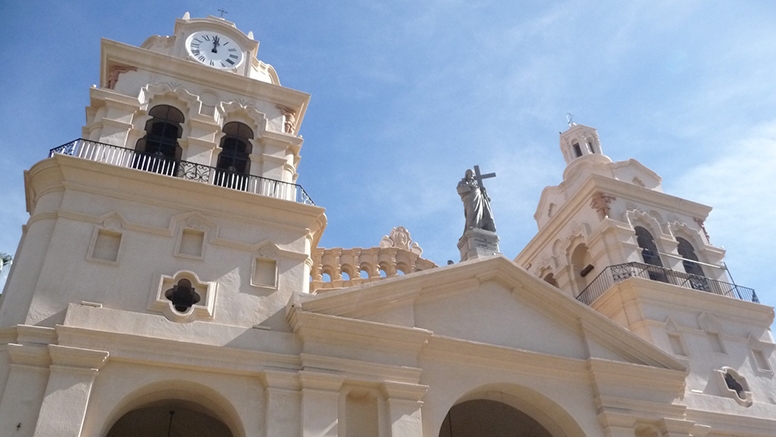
214,49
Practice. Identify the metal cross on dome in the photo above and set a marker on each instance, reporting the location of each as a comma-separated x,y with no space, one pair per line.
222,12
479,177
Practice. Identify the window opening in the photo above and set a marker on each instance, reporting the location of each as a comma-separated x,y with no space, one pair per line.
577,150
697,276
183,296
734,385
650,254
159,151
234,162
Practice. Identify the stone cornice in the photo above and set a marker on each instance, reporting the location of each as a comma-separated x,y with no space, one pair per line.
321,380
404,391
739,424
67,356
662,294
361,370
80,174
29,355
382,337
175,353
616,374
502,357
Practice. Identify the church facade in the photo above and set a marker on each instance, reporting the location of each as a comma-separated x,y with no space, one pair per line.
615,320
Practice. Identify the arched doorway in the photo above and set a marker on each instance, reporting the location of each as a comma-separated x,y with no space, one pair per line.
484,417
170,418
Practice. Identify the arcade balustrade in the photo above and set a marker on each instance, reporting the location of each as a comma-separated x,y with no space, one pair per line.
621,272
158,163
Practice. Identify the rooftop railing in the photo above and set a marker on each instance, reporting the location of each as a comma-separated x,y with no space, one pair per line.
158,163
621,272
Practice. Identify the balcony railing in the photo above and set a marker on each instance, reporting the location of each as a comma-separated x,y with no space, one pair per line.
123,157
621,272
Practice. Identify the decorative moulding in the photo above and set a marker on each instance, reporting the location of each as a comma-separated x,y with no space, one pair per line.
105,244
734,385
204,309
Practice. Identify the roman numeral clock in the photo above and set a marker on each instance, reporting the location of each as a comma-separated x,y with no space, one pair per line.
214,49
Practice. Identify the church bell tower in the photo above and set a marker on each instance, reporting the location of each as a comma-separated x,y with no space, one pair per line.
610,238
180,200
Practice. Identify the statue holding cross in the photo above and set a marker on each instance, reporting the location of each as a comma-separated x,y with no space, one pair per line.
476,203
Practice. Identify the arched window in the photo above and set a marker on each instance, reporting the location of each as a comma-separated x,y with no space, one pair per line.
649,250
159,151
234,162
650,254
577,150
686,251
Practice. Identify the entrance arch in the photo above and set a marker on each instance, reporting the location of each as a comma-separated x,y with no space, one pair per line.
171,417
484,417
152,401
522,405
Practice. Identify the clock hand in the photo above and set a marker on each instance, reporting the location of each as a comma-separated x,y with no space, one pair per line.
215,44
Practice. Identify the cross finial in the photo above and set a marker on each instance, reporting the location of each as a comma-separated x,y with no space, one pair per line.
222,12
570,119
479,177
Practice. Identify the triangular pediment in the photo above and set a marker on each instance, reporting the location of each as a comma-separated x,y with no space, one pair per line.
493,303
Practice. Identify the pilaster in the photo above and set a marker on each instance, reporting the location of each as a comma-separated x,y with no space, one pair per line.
320,403
24,389
283,413
67,394
404,408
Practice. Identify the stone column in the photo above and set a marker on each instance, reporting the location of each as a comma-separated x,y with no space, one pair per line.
283,399
404,403
67,393
320,403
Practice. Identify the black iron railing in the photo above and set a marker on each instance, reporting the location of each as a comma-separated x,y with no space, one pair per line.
621,272
158,163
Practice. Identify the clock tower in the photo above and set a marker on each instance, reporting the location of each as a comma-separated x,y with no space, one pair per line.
177,213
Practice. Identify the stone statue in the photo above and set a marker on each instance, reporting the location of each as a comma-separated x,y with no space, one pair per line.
476,203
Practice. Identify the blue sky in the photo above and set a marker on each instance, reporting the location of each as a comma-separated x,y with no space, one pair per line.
408,94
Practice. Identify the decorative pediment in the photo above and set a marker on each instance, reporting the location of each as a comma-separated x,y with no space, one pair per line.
489,302
248,114
155,94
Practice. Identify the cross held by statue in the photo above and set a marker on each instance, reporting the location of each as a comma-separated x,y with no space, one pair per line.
479,177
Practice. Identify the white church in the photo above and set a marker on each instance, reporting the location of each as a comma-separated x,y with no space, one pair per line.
169,283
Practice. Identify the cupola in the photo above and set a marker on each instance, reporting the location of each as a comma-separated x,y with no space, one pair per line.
579,141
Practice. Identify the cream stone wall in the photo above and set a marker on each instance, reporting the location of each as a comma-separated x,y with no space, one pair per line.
88,334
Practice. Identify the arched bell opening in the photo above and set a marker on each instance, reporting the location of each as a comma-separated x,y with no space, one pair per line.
484,417
170,417
158,151
582,267
650,254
